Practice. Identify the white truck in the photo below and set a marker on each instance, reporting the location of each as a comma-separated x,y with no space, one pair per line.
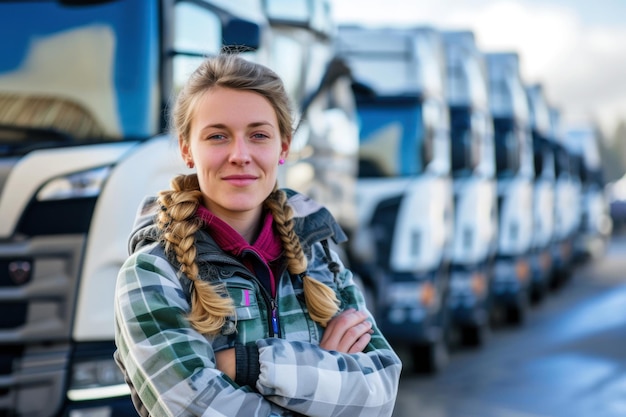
475,191
567,203
509,290
84,91
404,190
596,224
544,186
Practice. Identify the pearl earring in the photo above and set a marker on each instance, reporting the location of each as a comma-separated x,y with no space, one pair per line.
281,161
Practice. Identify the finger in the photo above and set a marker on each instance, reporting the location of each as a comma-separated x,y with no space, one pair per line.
352,335
339,325
360,344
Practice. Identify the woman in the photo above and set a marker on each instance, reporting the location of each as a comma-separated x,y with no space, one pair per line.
231,303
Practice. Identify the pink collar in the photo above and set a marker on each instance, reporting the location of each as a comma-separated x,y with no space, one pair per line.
267,245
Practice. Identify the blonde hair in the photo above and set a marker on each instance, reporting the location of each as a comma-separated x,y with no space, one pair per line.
211,307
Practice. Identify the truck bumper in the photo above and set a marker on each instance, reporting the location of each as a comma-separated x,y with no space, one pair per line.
413,325
541,267
468,297
511,280
112,407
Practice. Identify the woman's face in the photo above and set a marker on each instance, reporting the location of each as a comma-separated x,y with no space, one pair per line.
235,145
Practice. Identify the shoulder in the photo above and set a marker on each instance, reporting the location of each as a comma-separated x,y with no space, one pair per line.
144,231
313,221
146,280
149,263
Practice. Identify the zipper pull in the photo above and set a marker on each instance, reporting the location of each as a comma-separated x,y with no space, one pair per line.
275,318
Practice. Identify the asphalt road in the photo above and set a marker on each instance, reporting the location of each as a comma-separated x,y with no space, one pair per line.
567,360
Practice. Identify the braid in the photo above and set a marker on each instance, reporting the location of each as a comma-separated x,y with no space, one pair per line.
178,224
321,300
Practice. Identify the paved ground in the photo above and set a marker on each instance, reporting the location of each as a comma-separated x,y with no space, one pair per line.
568,360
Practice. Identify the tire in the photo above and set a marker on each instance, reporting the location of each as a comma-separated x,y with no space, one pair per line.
516,314
430,358
475,336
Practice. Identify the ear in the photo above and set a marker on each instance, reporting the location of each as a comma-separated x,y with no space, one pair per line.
185,152
284,151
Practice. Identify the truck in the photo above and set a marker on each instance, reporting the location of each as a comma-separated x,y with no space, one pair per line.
85,88
323,159
567,203
404,189
509,289
543,201
596,225
474,184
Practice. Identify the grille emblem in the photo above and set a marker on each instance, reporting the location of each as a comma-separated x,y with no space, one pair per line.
19,271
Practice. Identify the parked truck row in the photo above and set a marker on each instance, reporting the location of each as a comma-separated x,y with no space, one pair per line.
463,199
474,199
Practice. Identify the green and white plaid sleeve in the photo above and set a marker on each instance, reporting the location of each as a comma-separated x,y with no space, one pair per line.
170,365
315,382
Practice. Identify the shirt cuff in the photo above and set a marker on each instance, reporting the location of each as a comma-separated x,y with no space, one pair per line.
247,367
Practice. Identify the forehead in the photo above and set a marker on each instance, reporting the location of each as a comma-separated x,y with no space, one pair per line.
227,105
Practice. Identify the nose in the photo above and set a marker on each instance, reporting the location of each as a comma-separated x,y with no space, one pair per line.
240,153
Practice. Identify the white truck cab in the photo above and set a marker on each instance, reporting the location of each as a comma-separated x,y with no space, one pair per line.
596,225
544,185
475,189
509,290
567,204
404,190
85,88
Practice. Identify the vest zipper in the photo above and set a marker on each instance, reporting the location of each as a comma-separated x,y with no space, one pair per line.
275,327
270,301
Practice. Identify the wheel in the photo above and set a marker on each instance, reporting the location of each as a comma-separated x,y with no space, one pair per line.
475,336
430,358
515,314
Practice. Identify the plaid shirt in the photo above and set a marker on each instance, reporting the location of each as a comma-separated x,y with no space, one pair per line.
172,367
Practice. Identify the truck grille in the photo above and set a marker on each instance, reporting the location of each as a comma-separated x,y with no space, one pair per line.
38,284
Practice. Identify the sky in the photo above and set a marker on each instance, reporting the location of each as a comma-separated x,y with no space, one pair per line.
575,48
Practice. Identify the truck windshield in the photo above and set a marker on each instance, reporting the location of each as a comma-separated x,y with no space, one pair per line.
77,73
461,141
508,150
393,136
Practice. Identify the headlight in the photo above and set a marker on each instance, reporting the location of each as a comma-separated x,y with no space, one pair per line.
96,379
422,294
404,294
76,185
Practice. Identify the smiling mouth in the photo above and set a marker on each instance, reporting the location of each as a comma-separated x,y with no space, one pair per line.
239,177
240,180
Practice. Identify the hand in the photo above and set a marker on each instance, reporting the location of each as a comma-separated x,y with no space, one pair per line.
348,332
226,362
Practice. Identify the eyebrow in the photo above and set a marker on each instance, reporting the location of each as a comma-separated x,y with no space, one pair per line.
223,126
